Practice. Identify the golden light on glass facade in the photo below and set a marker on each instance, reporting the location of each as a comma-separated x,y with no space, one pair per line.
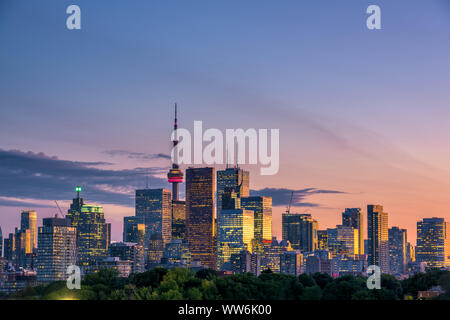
262,208
236,231
378,239
57,249
93,236
155,206
28,220
433,242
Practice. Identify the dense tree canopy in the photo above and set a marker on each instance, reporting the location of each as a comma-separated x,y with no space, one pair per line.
184,284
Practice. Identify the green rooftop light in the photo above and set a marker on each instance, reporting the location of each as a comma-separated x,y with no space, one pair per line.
78,189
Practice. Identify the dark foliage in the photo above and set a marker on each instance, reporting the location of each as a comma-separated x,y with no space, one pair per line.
183,284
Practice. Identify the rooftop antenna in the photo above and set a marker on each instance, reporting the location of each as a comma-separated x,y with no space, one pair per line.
175,141
175,175
237,156
226,155
78,190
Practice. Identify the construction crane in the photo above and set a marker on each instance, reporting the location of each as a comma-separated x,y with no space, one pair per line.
60,211
288,209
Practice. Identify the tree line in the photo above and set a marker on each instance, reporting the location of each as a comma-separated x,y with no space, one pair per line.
184,284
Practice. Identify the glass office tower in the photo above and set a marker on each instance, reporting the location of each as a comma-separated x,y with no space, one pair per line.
200,204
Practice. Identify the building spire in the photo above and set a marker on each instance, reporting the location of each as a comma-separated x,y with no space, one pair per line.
226,155
78,191
175,176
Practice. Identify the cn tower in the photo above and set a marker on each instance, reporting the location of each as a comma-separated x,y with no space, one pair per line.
175,176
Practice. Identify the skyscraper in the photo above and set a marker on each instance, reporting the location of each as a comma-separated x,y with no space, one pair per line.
353,217
93,233
9,244
57,249
28,220
93,236
322,239
22,246
75,206
234,178
433,242
377,235
155,205
200,190
397,250
262,208
300,230
178,219
343,240
236,232
134,229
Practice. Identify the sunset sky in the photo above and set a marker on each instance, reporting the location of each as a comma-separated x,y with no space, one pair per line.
363,114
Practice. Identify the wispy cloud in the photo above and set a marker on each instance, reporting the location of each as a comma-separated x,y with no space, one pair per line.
9,202
136,155
28,175
282,196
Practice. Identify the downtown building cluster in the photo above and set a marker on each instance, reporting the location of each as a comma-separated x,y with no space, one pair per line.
219,226
230,235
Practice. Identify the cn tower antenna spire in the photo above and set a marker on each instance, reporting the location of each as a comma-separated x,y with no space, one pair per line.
175,175
175,125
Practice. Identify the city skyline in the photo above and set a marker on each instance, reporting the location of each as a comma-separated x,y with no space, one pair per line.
351,133
266,191
241,243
